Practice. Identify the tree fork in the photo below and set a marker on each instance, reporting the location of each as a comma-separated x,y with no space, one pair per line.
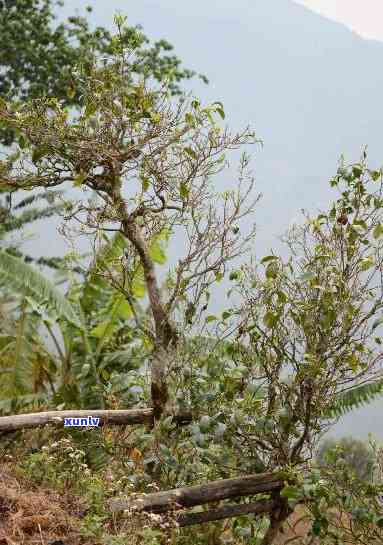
166,334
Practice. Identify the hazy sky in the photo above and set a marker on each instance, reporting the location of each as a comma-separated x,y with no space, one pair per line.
290,74
363,16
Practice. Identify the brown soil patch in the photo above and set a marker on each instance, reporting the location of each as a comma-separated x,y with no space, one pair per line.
29,516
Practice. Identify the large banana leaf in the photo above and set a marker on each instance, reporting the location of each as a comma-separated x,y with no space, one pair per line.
20,278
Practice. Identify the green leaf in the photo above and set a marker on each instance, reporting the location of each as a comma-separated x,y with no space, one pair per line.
39,153
138,284
5,340
138,288
207,112
218,276
109,254
378,231
184,191
308,276
271,270
195,104
79,179
219,109
270,319
155,117
360,223
23,142
268,258
21,278
375,175
156,250
145,183
71,91
333,182
291,492
210,318
317,527
119,19
118,307
322,257
157,253
189,118
366,263
100,330
90,109
191,152
124,309
234,275
357,171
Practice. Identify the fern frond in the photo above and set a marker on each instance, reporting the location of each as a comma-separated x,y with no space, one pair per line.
355,398
21,278
56,263
14,223
48,196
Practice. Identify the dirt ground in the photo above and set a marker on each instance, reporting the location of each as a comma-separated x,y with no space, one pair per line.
31,515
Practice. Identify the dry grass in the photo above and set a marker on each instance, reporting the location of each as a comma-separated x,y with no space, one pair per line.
29,516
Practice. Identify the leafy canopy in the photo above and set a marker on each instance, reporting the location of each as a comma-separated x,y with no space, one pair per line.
38,56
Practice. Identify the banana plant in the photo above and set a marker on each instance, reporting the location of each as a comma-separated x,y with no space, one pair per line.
26,366
94,344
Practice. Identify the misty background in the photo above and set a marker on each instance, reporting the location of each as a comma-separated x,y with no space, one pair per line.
309,87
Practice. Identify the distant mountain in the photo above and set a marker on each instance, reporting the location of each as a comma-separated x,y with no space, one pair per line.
310,87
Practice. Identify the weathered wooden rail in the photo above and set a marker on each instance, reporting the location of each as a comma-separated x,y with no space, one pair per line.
192,496
177,499
111,417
